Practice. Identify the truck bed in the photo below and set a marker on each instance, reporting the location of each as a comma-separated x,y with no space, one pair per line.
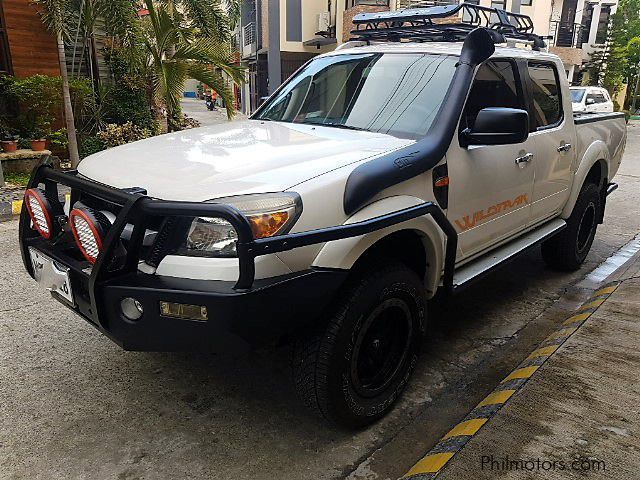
608,127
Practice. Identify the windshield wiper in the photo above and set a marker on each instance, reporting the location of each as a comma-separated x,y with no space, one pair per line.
339,125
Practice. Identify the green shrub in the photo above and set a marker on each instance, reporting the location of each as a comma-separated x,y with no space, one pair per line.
40,101
114,135
91,144
127,100
59,139
182,123
124,104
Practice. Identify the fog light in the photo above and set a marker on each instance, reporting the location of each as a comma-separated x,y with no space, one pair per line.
181,310
131,308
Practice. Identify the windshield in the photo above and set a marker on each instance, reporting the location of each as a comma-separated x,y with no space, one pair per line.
577,94
398,94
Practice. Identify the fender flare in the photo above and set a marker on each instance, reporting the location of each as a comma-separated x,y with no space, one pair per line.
596,152
343,254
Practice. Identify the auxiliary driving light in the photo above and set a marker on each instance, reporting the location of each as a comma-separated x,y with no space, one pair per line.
40,211
89,228
131,308
184,311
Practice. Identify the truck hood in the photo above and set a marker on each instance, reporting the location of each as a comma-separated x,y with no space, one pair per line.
249,156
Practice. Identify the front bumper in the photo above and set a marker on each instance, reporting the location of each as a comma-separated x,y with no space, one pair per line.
246,312
237,320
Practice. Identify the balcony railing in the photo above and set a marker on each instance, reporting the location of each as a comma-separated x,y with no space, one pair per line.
566,34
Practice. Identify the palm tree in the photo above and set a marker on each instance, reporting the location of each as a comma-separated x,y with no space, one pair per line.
55,16
177,51
214,18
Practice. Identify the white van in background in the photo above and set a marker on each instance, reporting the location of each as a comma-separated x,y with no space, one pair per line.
590,100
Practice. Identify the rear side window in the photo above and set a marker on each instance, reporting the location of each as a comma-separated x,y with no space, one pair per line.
545,86
596,98
496,85
577,95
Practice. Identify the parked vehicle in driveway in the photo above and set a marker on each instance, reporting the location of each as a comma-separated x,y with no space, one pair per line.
591,100
378,175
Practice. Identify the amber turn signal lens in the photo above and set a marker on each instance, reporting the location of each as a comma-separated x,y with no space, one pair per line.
268,224
442,182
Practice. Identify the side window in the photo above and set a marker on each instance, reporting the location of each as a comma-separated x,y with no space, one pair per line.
545,86
496,85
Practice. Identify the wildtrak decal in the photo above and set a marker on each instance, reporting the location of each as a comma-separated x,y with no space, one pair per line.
470,221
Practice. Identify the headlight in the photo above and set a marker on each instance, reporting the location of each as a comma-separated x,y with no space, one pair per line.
269,215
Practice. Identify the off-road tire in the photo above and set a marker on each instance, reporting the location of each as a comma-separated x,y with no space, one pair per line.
568,249
323,360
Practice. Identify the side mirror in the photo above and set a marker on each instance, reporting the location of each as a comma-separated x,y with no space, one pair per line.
590,101
497,126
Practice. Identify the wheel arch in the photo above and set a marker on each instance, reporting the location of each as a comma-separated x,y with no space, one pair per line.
419,243
594,168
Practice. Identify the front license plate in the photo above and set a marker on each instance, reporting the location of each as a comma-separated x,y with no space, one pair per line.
51,275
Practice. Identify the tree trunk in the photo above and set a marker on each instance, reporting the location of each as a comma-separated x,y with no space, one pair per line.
74,156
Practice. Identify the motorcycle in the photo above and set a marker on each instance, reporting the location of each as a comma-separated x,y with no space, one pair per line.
210,103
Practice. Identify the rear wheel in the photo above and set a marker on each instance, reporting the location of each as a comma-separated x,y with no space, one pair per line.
568,249
353,369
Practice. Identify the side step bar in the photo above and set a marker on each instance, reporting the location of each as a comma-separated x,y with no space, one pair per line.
480,267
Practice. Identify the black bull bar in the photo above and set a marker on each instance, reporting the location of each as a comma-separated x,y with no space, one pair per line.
138,208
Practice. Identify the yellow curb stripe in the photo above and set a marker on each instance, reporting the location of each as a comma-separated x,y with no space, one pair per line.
577,318
430,464
542,352
524,372
433,463
606,291
565,332
470,427
593,304
495,398
16,207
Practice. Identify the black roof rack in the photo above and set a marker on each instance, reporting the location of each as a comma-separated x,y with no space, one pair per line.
429,25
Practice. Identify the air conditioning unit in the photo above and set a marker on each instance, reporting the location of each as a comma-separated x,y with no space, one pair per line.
324,21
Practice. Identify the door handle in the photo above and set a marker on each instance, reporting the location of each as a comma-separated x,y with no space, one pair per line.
524,158
564,148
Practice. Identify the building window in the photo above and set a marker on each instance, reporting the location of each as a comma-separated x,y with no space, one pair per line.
5,59
499,4
587,16
603,24
526,3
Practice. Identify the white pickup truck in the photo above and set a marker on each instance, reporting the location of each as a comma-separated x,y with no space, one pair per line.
376,176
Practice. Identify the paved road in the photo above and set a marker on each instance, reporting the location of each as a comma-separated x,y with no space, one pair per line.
73,405
197,109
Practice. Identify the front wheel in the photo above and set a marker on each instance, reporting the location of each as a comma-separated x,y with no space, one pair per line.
567,250
353,369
